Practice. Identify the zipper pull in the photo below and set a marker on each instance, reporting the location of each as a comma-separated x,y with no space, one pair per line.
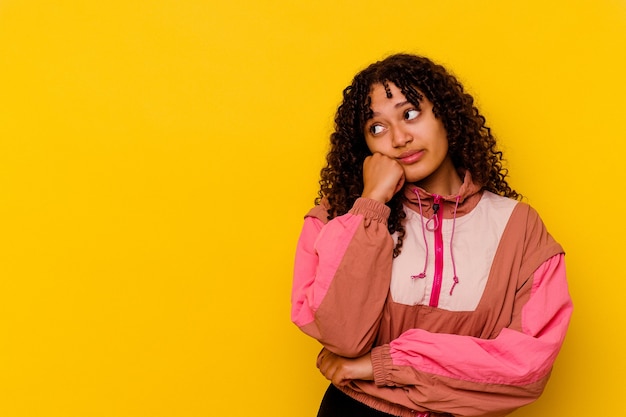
436,202
434,218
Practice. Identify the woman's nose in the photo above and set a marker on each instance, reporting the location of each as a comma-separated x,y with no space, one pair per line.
400,137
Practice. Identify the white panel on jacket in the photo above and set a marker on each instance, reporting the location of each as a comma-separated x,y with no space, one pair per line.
476,238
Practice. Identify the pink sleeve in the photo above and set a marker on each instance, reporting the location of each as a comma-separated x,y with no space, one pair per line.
340,268
470,376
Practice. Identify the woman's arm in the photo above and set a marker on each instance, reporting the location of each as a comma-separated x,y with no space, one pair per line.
341,277
470,376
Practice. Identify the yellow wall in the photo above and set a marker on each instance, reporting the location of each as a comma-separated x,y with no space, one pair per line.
156,158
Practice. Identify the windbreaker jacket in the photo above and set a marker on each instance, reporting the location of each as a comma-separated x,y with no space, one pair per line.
467,320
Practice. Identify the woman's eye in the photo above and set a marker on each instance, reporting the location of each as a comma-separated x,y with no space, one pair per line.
376,129
411,114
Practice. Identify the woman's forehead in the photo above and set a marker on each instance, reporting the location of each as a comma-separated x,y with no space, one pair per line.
392,90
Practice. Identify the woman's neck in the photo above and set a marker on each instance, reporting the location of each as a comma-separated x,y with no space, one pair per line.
444,181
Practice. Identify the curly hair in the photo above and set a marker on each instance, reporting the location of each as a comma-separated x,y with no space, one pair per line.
471,145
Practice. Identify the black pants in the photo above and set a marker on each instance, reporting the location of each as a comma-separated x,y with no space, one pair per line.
337,404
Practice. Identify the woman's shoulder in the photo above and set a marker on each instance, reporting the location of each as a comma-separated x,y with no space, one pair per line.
320,211
521,216
516,207
499,201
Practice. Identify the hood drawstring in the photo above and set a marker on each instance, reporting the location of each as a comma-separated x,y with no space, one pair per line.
455,278
419,201
432,228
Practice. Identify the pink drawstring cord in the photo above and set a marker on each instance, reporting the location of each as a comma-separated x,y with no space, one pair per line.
419,201
455,278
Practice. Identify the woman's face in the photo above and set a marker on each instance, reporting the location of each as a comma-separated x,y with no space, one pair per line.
412,136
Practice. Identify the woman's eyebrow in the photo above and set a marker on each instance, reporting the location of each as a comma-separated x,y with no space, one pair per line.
397,105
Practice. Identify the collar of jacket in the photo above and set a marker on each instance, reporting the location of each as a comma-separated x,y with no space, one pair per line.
469,193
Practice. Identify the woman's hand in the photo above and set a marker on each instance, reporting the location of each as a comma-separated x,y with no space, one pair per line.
383,177
340,370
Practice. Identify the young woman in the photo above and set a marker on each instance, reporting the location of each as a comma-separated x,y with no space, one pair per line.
432,288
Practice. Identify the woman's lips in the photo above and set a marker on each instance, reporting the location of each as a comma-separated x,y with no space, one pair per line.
410,157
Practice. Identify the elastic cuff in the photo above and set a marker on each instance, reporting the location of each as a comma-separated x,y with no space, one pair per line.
380,355
371,209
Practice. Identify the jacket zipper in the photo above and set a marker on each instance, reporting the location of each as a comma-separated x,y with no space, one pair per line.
438,277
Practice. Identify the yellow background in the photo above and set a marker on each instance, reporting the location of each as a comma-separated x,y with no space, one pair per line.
156,158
